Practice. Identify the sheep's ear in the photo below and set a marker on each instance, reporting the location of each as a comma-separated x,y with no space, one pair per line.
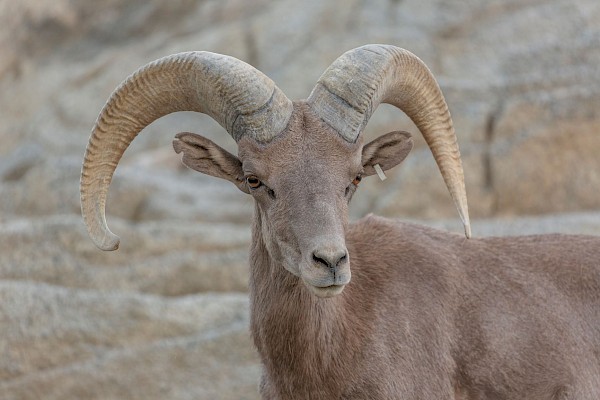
202,155
387,151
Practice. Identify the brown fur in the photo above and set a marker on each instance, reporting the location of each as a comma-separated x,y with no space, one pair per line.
427,314
496,318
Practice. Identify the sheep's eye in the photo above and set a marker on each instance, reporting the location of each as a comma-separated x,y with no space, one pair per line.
253,182
357,180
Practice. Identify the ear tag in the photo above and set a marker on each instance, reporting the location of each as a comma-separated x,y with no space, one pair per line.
380,173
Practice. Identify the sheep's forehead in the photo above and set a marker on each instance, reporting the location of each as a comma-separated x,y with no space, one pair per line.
307,148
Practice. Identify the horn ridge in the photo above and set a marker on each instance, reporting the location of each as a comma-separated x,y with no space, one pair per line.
240,98
354,85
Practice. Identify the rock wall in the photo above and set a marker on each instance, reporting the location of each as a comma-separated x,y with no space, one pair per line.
166,315
520,77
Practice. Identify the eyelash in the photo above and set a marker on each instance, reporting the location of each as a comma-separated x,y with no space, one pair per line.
254,183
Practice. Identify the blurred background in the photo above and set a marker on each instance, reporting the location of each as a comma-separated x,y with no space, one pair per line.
166,316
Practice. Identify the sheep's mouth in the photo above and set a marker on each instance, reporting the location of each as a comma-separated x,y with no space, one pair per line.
324,282
326,291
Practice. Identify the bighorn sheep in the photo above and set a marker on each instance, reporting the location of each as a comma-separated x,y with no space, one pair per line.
428,314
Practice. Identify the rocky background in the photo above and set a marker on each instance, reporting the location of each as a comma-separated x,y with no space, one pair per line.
166,316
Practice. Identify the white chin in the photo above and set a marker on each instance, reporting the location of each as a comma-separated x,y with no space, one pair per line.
326,292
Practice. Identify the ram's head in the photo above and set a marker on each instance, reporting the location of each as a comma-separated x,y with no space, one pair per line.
301,161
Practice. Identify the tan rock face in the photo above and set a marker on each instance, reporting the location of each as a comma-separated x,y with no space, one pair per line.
500,66
87,344
552,164
166,315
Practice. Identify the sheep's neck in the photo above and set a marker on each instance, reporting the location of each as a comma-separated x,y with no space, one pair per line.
296,333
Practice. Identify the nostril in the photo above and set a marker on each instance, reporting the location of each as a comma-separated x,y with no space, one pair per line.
330,259
320,260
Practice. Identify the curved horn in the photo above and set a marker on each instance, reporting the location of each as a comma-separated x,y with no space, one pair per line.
240,98
356,83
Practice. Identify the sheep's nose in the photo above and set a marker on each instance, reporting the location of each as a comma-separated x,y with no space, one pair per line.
330,258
